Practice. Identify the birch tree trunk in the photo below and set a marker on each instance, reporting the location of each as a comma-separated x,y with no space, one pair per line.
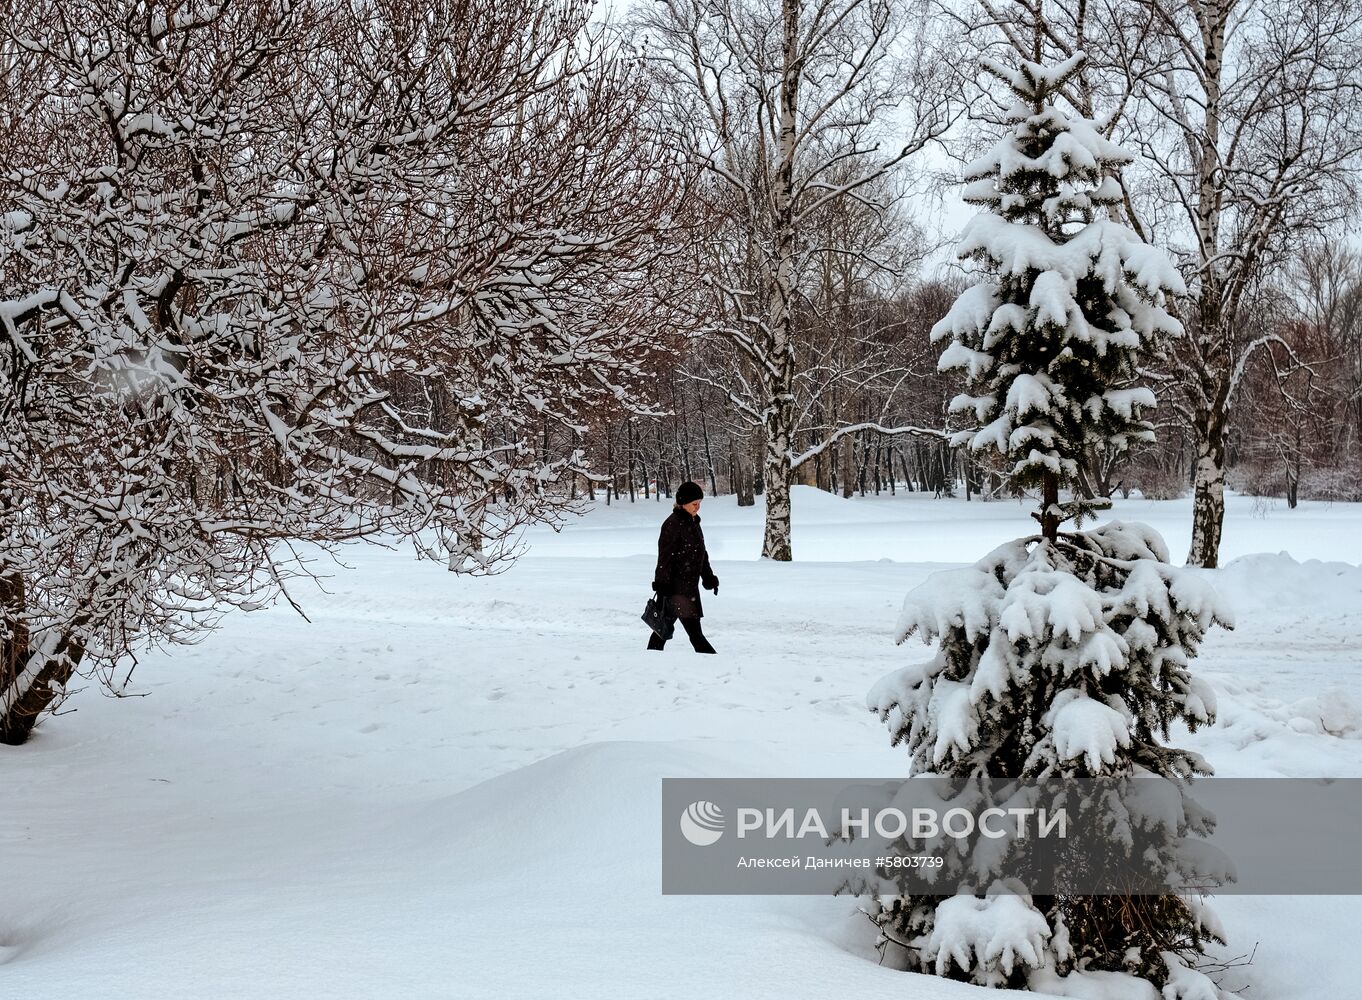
1208,499
779,372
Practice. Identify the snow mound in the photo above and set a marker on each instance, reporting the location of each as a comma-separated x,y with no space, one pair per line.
1263,582
596,797
1332,713
1092,986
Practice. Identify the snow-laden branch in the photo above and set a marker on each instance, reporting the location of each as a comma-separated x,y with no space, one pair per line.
289,273
925,432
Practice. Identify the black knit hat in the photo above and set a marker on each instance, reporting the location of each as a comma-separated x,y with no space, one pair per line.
688,493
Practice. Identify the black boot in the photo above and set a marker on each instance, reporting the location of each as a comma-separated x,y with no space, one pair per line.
696,636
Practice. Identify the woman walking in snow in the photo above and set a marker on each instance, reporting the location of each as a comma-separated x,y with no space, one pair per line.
682,565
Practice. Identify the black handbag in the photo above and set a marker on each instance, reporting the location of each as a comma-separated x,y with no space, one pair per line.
657,615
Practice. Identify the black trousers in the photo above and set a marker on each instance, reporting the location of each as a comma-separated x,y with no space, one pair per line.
693,632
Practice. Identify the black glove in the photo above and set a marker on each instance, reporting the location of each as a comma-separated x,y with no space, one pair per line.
658,587
713,584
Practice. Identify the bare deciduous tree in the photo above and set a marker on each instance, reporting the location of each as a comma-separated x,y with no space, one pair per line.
1251,113
788,108
278,271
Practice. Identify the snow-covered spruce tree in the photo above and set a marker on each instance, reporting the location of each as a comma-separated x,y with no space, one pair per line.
1063,655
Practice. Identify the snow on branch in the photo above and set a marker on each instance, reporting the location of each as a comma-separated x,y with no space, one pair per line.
797,460
284,273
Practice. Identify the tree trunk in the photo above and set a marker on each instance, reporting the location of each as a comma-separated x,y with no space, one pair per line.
1049,507
664,471
861,462
1208,500
848,475
1294,459
817,476
14,651
779,378
629,471
31,679
609,463
681,433
742,476
776,544
709,455
26,694
1085,477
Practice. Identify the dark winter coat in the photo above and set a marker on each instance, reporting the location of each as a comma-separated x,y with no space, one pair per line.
683,563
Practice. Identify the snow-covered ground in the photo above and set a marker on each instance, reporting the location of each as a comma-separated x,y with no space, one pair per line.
450,787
